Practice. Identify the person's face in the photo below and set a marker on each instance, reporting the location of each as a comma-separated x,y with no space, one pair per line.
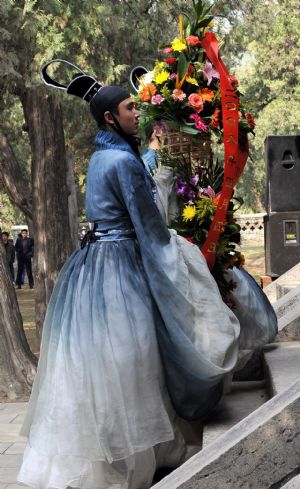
24,234
4,238
128,116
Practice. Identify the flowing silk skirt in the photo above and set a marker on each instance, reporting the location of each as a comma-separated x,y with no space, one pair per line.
100,414
99,403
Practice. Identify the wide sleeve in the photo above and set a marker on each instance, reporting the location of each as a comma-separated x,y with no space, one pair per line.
197,333
150,160
257,317
167,201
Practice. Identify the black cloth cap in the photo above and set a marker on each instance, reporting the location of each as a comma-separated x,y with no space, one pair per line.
107,99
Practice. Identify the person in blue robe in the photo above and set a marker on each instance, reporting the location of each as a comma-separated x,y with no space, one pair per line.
135,331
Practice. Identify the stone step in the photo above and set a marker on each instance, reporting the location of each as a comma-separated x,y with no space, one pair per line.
293,483
261,451
287,310
291,276
243,398
283,289
282,363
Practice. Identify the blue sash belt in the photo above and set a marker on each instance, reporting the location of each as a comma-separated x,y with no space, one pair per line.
110,235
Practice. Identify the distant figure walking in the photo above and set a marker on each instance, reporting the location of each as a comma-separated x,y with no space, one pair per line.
10,253
24,248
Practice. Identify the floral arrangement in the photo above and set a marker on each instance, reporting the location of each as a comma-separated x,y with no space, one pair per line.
183,89
182,93
197,189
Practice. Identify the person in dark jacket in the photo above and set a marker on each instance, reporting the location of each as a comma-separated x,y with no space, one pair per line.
10,253
24,248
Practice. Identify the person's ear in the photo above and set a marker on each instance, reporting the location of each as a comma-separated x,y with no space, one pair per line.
108,117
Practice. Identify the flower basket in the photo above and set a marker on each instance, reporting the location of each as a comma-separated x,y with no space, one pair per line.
181,144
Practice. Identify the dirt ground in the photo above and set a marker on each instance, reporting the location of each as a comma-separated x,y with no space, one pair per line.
25,298
255,260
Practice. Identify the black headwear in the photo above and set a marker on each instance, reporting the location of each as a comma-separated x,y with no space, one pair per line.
82,84
107,99
101,98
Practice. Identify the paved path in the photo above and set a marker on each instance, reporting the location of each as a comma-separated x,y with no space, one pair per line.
11,444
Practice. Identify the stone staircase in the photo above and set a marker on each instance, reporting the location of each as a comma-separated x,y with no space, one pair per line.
252,438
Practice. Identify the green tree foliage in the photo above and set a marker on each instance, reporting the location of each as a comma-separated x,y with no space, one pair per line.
268,67
106,38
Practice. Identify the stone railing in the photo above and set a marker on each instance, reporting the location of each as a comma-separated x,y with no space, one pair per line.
252,227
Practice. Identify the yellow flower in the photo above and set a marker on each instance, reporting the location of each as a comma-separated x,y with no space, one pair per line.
191,80
161,77
178,44
189,212
159,66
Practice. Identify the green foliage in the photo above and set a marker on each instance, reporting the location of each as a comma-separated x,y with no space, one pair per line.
266,45
9,216
104,38
108,38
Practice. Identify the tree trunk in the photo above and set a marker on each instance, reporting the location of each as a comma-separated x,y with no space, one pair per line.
17,363
72,201
53,244
16,183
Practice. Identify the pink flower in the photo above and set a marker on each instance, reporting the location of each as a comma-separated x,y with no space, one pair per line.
196,102
160,127
193,41
157,99
178,95
199,122
168,50
173,75
209,72
209,192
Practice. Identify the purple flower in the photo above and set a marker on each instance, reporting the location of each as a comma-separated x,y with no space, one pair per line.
194,180
181,187
190,194
191,202
184,190
180,183
181,191
199,170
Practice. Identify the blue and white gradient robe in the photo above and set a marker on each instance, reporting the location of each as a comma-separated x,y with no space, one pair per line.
131,324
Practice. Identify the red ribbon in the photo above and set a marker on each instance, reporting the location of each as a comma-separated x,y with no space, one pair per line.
234,157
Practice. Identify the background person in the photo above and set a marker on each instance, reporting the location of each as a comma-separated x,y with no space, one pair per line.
24,247
10,253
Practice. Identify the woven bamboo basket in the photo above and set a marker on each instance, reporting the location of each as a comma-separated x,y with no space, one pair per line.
198,149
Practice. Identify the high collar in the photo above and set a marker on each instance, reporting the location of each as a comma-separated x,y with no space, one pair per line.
112,140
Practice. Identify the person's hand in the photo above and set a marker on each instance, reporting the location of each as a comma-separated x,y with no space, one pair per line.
155,141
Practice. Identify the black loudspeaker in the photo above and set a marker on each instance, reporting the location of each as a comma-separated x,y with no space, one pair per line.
282,242
282,157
